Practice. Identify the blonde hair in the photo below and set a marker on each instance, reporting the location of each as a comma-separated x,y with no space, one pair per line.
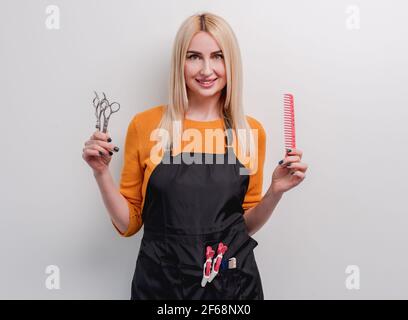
231,97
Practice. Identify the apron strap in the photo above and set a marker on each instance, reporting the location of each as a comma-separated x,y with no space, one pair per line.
228,136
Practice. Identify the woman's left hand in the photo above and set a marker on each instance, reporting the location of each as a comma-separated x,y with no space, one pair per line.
289,173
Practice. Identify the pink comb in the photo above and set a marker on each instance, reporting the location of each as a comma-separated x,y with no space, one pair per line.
289,121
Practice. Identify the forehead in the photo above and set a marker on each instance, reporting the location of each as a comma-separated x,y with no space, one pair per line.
203,42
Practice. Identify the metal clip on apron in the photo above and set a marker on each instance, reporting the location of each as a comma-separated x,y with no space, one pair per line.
190,208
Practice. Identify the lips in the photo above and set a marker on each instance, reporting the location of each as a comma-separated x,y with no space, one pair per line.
206,81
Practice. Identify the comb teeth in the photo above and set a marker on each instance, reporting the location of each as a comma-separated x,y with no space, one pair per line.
289,120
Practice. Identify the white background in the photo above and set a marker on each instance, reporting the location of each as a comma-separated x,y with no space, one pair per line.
350,88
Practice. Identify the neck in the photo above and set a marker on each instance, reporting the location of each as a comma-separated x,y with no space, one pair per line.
204,108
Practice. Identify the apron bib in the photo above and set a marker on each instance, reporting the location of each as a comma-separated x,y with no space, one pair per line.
189,206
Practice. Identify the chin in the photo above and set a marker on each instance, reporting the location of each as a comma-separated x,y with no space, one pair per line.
206,92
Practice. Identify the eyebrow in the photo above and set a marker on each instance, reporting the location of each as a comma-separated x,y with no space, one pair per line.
192,51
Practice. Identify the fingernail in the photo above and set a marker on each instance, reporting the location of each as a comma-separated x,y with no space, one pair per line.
292,173
116,149
100,153
288,150
110,152
288,165
280,162
109,140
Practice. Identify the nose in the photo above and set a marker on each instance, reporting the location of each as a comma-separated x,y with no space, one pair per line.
206,70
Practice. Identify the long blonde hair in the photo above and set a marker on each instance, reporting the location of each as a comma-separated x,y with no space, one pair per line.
231,96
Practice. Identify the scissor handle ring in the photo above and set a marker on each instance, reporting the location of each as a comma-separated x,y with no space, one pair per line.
113,109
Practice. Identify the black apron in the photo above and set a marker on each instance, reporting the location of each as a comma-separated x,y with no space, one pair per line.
189,206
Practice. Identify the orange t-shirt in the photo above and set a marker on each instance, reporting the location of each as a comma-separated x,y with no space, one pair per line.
138,165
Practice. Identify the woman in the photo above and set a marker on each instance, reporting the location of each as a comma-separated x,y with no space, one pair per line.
193,198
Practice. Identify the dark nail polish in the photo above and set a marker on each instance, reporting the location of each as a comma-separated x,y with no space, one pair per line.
288,165
292,173
116,149
110,152
100,153
288,150
109,140
280,162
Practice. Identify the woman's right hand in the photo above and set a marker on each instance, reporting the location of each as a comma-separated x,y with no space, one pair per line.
98,151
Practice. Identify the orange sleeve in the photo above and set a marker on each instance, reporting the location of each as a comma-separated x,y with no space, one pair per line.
254,192
132,179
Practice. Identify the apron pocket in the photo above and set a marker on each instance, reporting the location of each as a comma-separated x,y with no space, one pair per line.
239,284
155,281
233,280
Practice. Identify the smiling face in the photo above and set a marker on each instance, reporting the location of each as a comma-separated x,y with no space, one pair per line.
204,68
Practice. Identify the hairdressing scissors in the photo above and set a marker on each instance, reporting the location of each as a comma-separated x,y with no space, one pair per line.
105,109
97,103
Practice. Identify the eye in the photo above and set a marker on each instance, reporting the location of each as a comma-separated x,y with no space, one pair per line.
192,56
219,56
